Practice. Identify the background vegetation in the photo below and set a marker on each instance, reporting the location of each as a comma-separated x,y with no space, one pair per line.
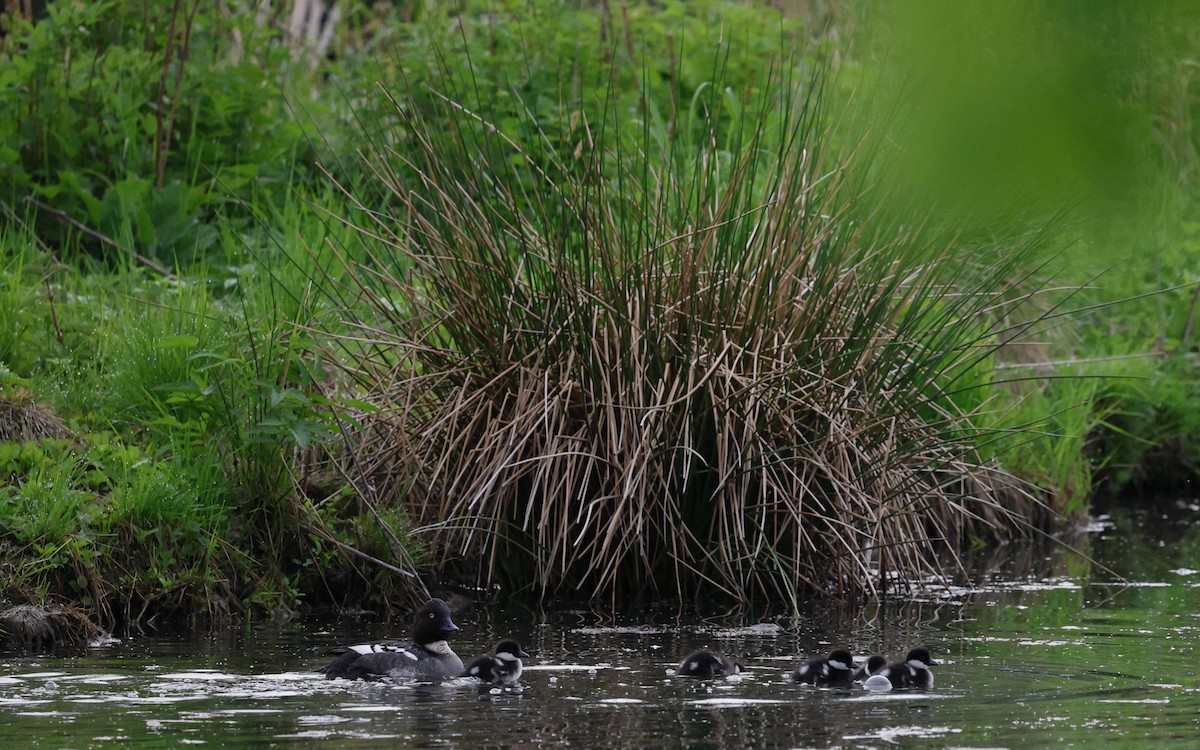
284,325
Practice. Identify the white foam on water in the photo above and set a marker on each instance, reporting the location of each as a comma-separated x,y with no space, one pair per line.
22,702
93,679
895,695
370,709
1051,643
103,641
762,628
321,719
199,674
1049,585
571,667
293,677
733,702
156,700
620,630
246,711
325,734
891,734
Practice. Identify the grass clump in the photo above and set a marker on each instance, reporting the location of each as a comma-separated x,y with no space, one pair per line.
658,364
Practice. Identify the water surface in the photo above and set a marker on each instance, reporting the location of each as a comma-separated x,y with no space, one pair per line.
1046,648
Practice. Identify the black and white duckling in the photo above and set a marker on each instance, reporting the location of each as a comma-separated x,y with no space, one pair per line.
429,655
705,663
502,667
876,663
912,673
835,669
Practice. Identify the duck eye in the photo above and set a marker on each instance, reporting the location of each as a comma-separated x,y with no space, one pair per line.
431,615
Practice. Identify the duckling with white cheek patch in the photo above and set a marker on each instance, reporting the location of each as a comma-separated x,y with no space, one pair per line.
835,669
503,667
912,673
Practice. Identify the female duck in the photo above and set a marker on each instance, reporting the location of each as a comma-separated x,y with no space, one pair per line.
429,655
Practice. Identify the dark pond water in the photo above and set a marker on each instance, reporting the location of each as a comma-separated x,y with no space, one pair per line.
1045,649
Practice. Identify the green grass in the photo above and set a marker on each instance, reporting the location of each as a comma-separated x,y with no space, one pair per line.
653,318
202,414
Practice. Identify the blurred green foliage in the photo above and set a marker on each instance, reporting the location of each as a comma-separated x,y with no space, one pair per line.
145,126
1022,108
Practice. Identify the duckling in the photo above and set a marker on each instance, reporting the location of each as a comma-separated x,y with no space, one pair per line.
913,672
704,663
835,669
503,667
876,663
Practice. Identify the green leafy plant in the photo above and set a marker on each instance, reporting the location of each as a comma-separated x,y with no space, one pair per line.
138,127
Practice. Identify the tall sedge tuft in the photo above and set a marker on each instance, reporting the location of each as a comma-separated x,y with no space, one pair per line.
619,355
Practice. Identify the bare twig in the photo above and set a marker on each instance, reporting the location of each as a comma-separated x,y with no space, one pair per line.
177,52
348,549
1080,361
63,216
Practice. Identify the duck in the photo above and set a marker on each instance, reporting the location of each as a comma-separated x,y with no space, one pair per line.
912,673
502,667
704,663
429,655
835,669
876,663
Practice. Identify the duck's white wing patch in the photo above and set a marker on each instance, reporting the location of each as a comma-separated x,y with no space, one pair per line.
383,648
